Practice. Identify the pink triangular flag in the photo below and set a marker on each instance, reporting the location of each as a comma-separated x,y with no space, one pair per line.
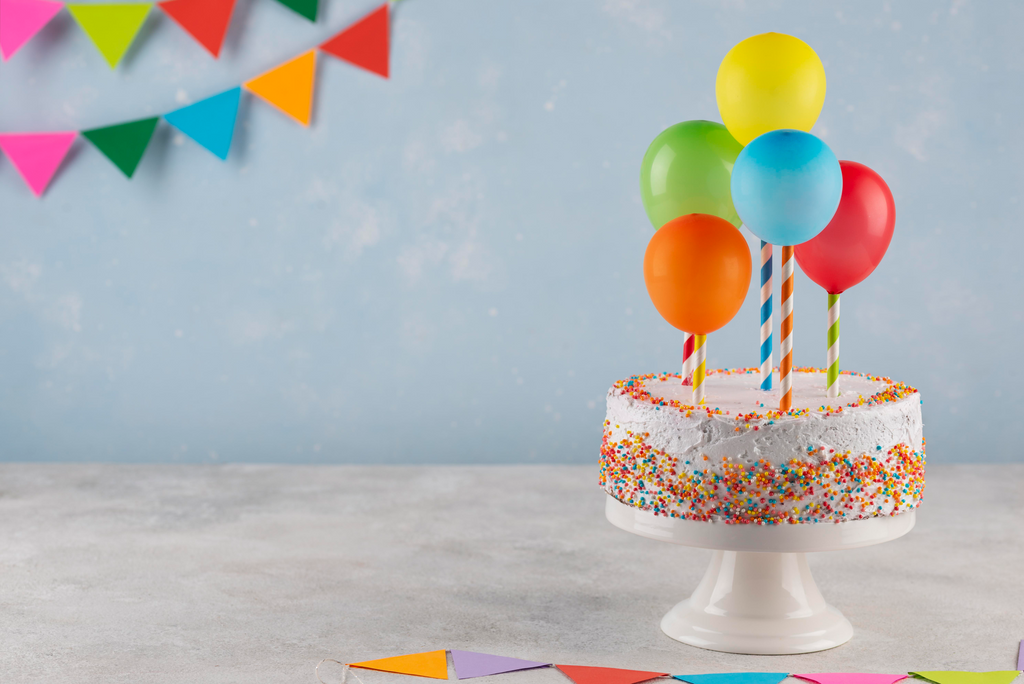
37,155
22,19
851,678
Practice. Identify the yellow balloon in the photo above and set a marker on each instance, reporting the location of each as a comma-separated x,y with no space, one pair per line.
767,82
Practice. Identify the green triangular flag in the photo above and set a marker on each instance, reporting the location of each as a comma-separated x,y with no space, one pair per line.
111,27
957,677
306,8
124,144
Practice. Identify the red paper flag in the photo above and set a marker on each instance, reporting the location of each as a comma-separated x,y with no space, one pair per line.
205,20
364,43
583,674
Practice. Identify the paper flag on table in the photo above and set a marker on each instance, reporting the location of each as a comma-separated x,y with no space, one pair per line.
306,8
430,664
124,144
22,19
112,28
584,674
734,678
1020,655
210,122
364,43
851,678
469,664
289,87
37,155
959,677
205,20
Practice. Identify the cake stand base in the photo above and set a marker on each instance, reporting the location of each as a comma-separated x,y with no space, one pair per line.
758,595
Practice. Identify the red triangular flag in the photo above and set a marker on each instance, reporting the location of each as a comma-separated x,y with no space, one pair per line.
584,674
364,43
205,20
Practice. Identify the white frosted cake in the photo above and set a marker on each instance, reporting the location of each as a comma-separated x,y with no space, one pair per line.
739,460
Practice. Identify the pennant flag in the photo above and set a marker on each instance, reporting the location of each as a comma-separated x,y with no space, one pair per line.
364,43
582,674
734,678
306,8
124,144
37,155
955,677
469,664
1020,655
851,678
210,122
22,19
289,87
205,20
112,28
431,664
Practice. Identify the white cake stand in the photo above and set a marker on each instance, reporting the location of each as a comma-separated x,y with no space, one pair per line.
758,595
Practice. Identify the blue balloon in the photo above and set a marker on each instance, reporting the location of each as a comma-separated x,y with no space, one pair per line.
786,186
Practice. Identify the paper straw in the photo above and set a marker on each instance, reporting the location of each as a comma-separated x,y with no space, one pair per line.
766,315
832,382
700,349
786,347
687,372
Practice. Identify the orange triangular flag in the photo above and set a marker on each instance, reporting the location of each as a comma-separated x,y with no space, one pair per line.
364,43
430,664
289,87
584,674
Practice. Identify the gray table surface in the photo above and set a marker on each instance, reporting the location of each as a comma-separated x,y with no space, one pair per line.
113,573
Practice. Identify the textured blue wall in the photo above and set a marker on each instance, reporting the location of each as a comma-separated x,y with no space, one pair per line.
446,267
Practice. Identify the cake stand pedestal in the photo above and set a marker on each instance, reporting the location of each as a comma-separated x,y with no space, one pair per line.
758,595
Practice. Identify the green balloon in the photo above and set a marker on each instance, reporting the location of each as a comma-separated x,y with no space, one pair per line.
687,170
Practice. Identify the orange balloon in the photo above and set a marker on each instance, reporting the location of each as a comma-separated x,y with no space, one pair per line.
697,270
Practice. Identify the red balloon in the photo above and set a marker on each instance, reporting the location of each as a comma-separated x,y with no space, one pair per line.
855,240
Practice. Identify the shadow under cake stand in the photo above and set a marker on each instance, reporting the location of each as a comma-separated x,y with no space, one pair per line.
758,595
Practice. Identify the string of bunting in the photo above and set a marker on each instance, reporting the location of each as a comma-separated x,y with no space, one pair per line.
470,664
112,27
211,121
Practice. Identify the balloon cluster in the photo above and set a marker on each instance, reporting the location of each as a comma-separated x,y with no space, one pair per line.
700,181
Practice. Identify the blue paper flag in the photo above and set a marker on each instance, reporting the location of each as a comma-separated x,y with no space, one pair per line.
210,122
734,678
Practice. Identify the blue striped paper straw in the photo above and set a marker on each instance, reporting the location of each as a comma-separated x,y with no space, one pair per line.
766,315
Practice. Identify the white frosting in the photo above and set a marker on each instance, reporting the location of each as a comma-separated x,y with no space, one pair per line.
827,461
858,429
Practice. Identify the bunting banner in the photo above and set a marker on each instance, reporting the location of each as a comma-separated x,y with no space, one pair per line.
22,19
113,27
37,155
124,144
289,87
364,43
205,20
210,122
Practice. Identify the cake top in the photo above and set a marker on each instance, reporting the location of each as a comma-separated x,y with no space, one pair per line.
736,393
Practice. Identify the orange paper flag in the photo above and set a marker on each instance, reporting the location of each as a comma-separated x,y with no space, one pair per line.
584,674
289,87
430,664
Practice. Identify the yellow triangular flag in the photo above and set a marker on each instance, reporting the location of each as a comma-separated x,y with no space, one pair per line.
289,87
430,664
111,27
961,677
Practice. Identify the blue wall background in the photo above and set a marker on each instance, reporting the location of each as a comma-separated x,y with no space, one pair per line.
446,267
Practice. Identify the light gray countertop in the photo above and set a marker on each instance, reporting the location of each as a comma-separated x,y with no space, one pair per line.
114,573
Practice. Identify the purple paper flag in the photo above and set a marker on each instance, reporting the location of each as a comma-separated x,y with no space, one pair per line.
1020,656
470,664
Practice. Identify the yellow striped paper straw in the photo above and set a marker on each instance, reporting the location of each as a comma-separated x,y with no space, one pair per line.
786,347
700,348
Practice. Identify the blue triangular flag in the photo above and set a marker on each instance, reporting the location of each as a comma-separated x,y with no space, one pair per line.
734,678
210,122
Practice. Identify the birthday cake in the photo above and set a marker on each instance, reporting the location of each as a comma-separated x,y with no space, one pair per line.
741,460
